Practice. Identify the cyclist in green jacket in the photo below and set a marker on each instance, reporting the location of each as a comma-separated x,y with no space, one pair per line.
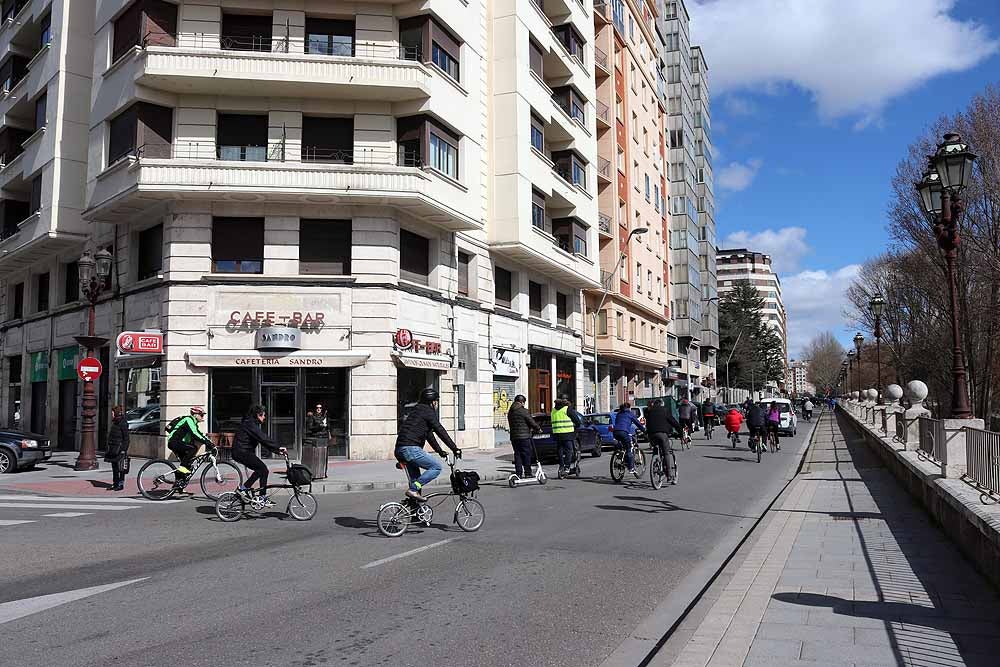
184,438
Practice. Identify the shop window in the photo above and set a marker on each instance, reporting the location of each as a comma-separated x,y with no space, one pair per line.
535,299
41,107
17,302
330,37
325,247
562,308
150,252
41,292
503,287
414,257
464,260
243,32
242,137
230,396
144,129
14,390
238,245
71,286
329,140
328,388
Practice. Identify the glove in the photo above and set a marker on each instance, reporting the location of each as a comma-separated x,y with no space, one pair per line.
458,453
442,454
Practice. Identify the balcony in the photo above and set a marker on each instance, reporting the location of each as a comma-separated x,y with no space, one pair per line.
602,65
603,169
602,12
372,72
544,254
603,115
604,225
202,171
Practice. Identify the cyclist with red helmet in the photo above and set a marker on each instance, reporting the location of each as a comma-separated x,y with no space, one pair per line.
184,437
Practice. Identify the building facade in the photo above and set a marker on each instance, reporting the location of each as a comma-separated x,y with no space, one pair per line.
739,264
796,383
317,204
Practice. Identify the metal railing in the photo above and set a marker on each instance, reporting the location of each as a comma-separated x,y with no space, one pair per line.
606,277
601,58
603,112
604,167
275,44
982,458
901,429
931,440
604,223
275,152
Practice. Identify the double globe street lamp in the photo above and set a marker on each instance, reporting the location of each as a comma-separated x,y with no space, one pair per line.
877,305
850,371
859,340
94,271
940,190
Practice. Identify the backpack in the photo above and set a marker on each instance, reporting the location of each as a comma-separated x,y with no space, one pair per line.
173,423
464,482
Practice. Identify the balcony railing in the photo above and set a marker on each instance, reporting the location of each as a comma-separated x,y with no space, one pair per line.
604,167
603,113
270,44
210,151
604,223
601,59
607,277
327,155
602,10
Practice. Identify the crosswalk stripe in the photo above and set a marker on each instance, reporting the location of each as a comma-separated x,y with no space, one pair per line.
79,499
68,515
12,522
62,506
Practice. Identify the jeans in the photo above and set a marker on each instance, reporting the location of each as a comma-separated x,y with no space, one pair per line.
522,457
416,458
625,440
565,443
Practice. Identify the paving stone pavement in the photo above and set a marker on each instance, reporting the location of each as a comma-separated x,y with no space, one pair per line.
849,570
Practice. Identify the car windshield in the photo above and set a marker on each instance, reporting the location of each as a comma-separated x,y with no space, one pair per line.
135,413
600,420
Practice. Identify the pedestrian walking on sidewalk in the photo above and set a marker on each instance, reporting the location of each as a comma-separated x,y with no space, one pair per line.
117,452
521,427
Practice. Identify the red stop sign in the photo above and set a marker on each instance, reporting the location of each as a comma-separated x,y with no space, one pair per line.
89,369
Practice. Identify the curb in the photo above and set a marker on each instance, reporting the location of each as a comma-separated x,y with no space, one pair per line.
642,644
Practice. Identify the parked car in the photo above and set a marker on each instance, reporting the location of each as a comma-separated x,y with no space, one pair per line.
601,422
143,416
789,424
545,444
20,450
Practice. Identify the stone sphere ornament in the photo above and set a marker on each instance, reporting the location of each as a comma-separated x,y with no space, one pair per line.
894,392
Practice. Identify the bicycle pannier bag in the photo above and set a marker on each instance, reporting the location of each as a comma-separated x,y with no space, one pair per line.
465,482
299,475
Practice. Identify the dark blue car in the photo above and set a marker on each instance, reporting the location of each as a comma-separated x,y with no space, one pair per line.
601,422
545,444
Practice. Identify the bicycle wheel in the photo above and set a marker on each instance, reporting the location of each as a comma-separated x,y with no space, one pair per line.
470,514
156,479
656,472
759,446
302,506
618,465
229,506
223,476
639,459
393,519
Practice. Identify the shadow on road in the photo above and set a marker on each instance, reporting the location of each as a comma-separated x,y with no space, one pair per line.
209,512
733,459
658,505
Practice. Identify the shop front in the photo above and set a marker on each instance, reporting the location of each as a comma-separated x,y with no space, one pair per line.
419,365
551,375
506,372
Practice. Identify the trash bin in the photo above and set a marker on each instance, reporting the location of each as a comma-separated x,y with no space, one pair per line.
314,457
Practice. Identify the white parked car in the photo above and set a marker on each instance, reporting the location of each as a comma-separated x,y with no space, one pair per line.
789,424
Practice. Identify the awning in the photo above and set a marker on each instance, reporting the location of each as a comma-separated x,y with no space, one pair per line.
554,351
138,360
431,362
298,359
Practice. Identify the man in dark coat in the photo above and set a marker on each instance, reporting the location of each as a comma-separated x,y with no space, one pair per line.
521,426
117,447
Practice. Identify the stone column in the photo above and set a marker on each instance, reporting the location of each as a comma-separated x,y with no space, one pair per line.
893,410
917,391
954,465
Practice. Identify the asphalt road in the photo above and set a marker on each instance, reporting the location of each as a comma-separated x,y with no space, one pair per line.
558,575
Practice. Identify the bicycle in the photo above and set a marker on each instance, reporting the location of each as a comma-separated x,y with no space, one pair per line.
734,437
685,439
772,441
302,506
158,479
618,468
709,427
395,517
656,468
756,444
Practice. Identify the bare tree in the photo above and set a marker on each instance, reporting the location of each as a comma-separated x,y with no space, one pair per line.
825,357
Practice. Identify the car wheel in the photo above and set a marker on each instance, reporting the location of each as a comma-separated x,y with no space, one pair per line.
597,451
8,463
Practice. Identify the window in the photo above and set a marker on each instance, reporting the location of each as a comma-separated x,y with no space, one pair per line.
659,290
534,299
673,73
245,32
537,133
620,325
329,37
638,277
40,111
647,188
643,338
621,160
242,138
632,329
444,60
635,175
535,58
619,109
622,213
602,323
150,260
444,156
676,138
631,28
503,282
329,140
571,167
649,283
538,209
656,197
571,39
41,292
238,245
35,201
464,260
635,128
696,91
562,308
701,174
424,38
45,31
17,302
571,235
146,22
414,257
127,31
325,247
12,71
631,75
71,284
143,129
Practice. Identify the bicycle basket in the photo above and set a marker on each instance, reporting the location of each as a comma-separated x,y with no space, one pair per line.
464,482
299,475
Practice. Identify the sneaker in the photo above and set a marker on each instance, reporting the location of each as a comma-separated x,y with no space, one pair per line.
410,493
634,472
243,492
265,501
674,481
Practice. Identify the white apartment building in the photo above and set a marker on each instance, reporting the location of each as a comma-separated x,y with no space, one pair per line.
739,264
360,178
796,383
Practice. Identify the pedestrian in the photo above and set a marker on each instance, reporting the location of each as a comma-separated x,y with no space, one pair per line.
117,451
318,424
660,424
521,427
564,432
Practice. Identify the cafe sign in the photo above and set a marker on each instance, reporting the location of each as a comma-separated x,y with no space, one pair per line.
278,338
403,340
410,352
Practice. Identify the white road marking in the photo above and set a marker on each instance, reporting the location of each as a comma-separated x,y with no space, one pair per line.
376,563
13,522
83,499
10,611
63,506
68,515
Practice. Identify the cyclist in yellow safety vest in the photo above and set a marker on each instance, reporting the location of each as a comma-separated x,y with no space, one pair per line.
565,421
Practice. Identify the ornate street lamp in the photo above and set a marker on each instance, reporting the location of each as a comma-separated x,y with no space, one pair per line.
877,304
940,194
93,273
859,340
850,367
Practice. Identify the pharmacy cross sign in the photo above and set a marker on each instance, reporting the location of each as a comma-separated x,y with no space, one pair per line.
89,369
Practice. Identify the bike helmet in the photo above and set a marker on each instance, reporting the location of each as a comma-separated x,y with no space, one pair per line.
428,396
198,410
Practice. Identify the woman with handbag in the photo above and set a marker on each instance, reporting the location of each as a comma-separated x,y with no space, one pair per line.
117,453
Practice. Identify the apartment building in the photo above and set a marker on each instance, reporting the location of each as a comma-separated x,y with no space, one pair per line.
316,203
632,308
796,383
737,264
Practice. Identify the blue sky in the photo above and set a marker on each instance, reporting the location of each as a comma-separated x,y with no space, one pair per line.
811,113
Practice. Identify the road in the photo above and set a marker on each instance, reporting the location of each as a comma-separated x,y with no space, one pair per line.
558,575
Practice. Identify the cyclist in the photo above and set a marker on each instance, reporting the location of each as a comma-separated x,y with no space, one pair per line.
687,413
184,437
660,424
248,436
708,414
420,426
757,423
625,425
734,419
807,407
773,422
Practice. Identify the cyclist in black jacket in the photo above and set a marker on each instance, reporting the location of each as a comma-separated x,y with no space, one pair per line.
248,436
660,425
757,422
420,426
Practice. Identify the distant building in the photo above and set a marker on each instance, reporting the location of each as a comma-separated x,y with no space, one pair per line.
738,264
795,378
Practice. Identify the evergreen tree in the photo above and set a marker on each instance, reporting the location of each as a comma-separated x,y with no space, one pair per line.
759,355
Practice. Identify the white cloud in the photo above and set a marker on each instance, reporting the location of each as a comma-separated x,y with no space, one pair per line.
815,301
853,56
786,246
738,106
737,176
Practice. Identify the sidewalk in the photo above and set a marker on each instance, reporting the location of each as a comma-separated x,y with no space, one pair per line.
56,477
848,570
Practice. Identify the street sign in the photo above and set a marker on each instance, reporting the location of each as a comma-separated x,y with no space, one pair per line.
89,369
139,342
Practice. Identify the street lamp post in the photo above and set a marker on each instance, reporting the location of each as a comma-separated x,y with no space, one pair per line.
606,286
850,371
941,196
859,340
877,305
94,272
